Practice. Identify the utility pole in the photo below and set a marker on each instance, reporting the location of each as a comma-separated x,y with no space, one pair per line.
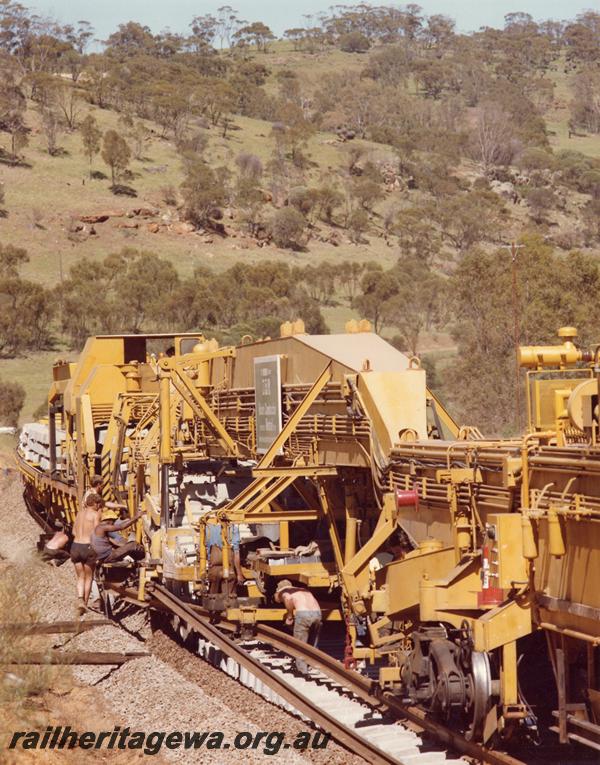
514,253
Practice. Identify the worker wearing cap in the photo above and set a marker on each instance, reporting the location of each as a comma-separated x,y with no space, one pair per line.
304,612
110,523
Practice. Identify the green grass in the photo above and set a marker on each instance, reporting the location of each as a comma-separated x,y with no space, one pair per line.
7,448
34,373
559,139
558,116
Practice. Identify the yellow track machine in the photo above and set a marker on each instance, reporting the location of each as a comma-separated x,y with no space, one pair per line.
437,549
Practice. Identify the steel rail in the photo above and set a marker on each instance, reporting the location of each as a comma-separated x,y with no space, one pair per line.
51,628
371,692
73,657
361,746
362,687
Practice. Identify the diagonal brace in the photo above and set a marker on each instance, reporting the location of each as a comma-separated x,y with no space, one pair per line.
198,403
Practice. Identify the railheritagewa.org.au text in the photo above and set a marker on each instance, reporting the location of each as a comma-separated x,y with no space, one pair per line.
59,737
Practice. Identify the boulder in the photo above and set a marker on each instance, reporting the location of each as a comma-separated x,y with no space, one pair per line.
183,228
505,189
98,218
145,212
153,228
103,216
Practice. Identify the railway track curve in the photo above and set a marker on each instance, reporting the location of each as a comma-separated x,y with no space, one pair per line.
351,707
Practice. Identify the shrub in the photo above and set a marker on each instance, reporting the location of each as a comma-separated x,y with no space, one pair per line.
287,228
354,42
303,199
589,183
540,201
536,159
12,398
358,223
169,195
203,191
249,166
574,166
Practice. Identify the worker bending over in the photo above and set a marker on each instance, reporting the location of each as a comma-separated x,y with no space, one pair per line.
82,553
304,612
101,540
54,548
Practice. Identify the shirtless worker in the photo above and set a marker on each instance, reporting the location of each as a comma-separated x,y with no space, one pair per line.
82,554
53,549
304,612
100,540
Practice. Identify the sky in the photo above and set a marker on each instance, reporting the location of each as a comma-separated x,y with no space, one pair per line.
106,15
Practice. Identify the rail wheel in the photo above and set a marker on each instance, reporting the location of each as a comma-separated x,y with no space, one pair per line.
461,686
478,670
479,695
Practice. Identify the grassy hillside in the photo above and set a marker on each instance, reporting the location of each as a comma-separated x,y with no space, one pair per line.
42,200
47,196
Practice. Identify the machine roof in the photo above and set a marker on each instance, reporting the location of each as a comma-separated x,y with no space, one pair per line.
351,350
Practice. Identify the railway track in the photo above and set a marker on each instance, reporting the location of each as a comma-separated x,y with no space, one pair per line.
347,705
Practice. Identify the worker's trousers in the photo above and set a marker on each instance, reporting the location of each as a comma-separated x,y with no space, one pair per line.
307,625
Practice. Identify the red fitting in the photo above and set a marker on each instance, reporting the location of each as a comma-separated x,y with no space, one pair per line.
407,498
489,595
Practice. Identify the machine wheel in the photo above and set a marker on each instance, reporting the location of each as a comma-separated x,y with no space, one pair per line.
480,695
462,686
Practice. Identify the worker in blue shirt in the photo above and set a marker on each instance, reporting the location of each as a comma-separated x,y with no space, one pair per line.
214,556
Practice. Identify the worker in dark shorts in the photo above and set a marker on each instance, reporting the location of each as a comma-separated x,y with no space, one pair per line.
101,541
82,554
303,612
